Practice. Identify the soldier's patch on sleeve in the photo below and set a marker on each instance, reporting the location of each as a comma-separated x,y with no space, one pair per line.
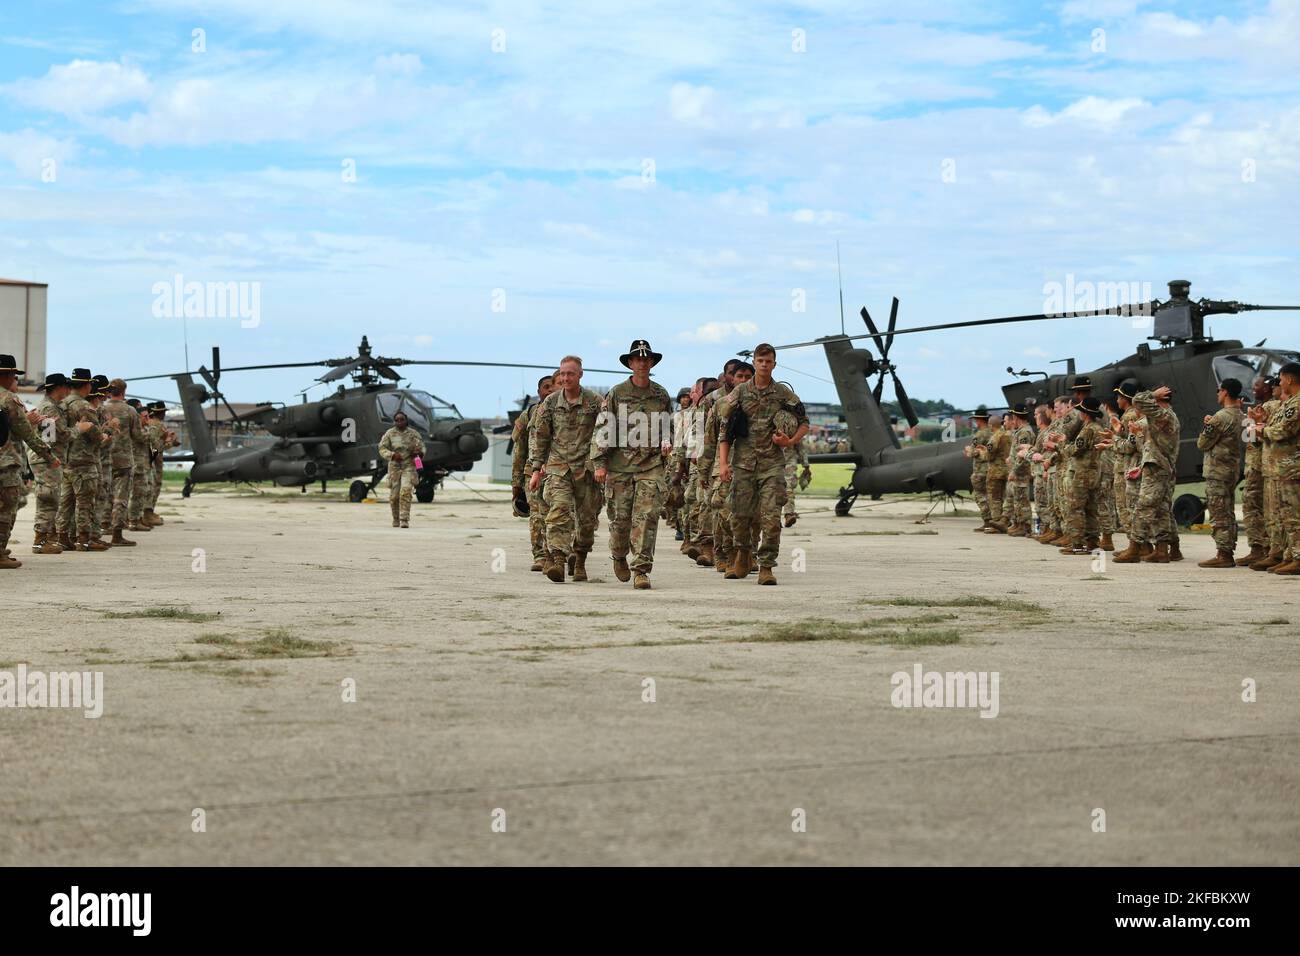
1080,444
1290,413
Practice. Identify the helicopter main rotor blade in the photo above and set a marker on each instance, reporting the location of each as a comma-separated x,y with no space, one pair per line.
904,402
875,333
605,371
893,320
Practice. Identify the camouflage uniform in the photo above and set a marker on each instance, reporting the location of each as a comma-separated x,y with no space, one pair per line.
55,433
627,443
79,491
99,519
1020,474
559,445
519,478
979,472
715,489
13,461
1278,545
1107,512
795,456
1083,518
758,465
1126,454
122,458
158,443
1159,467
707,520
401,474
141,478
1220,440
1042,481
999,443
1283,432
1252,492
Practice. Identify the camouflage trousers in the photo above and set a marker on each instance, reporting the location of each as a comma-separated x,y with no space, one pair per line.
1221,503
1252,508
687,512
1132,494
1060,502
572,512
1154,519
997,494
78,496
1083,516
791,486
103,499
402,478
1288,492
979,486
141,476
121,496
702,518
536,522
756,502
1107,512
1274,519
1043,500
1119,491
720,500
632,505
156,488
1019,511
48,482
13,493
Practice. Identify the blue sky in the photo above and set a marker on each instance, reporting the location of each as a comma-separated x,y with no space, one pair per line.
611,171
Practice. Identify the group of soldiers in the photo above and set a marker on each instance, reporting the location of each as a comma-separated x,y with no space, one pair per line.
1091,469
718,468
94,457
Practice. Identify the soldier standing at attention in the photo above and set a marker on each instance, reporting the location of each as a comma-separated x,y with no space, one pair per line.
628,448
561,444
1019,472
160,439
55,431
1083,520
1042,480
1262,415
1126,456
746,418
141,472
1220,441
719,491
400,446
518,463
16,424
104,490
1159,466
1252,491
999,446
1108,515
978,452
122,457
79,488
1283,431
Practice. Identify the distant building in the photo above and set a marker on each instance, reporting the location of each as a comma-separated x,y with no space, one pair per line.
22,326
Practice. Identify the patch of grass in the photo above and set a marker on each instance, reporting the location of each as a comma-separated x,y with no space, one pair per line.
1273,621
164,614
586,614
862,632
224,639
969,600
240,675
279,642
99,650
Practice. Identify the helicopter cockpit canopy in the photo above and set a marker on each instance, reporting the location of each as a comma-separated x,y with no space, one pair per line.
1250,364
422,409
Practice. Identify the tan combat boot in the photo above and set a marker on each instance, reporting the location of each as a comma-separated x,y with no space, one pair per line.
693,552
1132,554
1288,569
1049,537
739,565
1158,555
95,543
765,576
555,570
1257,553
139,526
151,518
722,561
1174,553
705,560
984,525
119,541
621,570
1123,556
1107,543
790,520
579,569
45,544
642,582
686,544
1223,559
8,562
1272,559
66,542
539,564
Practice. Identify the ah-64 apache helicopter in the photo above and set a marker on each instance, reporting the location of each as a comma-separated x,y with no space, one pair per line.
1186,359
337,437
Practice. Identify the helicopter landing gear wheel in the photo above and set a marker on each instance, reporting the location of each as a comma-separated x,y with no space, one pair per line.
1189,510
189,487
424,491
357,491
843,505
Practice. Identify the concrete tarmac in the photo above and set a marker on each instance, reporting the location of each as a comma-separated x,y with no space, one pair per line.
499,718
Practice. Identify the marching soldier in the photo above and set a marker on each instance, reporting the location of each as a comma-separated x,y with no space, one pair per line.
747,419
707,520
676,495
711,482
1283,430
55,431
518,462
1252,491
628,449
795,480
1220,441
977,452
400,447
16,424
559,449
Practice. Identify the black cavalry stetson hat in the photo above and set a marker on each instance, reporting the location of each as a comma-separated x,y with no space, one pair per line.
55,380
1128,389
80,376
1081,382
1020,410
157,406
980,412
8,364
1090,405
640,348
99,385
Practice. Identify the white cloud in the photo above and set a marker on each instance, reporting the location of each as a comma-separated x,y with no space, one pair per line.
83,86
687,103
715,333
399,64
1092,110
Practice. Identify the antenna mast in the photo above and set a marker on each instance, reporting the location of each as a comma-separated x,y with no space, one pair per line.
840,279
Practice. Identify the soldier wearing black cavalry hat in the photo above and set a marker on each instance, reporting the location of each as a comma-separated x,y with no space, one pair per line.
16,424
56,432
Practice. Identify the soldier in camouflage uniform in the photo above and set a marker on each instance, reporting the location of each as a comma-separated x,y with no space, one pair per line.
978,452
753,446
100,518
1019,472
518,464
80,487
707,519
1283,431
126,433
1159,467
676,496
160,439
1126,457
400,446
999,445
1252,490
55,433
1263,416
1083,452
16,425
141,472
1220,441
795,456
560,443
1107,513
719,491
628,448
1041,477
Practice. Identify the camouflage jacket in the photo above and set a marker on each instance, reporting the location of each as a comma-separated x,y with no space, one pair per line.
707,462
127,434
1283,431
560,440
156,432
406,443
54,430
1021,469
1221,442
999,445
1040,468
980,442
756,451
19,430
519,456
83,447
1125,450
1083,450
634,425
1268,456
1160,446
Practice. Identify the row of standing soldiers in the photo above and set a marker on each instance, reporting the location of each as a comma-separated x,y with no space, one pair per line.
575,451
94,458
1093,469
